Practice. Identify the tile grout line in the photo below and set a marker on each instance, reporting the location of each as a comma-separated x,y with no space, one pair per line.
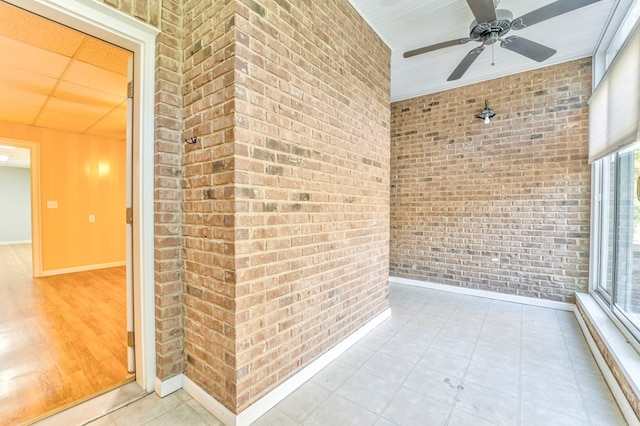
455,399
333,392
401,385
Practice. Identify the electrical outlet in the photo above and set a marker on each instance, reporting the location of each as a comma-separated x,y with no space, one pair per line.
52,204
92,218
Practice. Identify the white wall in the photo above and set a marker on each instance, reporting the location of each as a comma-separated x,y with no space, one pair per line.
15,205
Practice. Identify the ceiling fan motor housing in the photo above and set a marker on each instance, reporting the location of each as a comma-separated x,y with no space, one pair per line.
490,32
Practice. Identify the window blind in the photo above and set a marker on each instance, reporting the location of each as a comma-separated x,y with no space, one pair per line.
614,108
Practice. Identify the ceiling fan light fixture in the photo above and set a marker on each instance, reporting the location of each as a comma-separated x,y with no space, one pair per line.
491,24
487,113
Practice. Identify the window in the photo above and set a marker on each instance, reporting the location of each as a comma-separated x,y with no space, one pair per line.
614,151
618,282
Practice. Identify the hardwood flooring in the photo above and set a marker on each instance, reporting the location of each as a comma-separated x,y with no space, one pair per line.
62,338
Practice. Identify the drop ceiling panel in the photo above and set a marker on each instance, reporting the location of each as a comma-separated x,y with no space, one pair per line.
86,95
77,109
62,118
12,117
52,76
64,126
104,55
36,31
83,74
113,126
25,57
25,112
25,80
14,96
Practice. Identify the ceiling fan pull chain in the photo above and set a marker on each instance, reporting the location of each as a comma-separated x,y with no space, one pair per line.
493,54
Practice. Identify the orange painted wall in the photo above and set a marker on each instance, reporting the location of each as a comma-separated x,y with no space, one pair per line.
86,175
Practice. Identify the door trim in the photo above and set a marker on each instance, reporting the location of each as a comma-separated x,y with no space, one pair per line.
34,179
105,22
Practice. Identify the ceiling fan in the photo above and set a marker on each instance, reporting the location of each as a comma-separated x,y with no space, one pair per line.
492,24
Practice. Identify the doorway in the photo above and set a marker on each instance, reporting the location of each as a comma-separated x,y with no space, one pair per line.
101,21
65,325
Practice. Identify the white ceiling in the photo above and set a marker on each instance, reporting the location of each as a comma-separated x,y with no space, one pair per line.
54,77
410,24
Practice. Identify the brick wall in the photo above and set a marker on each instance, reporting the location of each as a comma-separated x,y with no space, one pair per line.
464,194
166,15
286,193
208,191
312,184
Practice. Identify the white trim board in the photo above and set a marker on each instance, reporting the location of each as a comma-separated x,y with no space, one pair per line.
82,268
270,400
169,386
9,243
551,304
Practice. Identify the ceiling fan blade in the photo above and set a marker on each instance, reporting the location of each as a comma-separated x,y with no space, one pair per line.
528,48
549,11
466,62
483,10
433,47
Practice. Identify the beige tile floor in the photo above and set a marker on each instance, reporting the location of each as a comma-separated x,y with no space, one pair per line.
441,359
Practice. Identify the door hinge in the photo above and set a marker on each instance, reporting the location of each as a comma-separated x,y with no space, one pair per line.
131,341
130,90
129,216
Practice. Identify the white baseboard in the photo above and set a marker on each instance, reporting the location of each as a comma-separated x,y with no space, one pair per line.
624,354
169,386
552,304
222,413
82,268
270,400
8,243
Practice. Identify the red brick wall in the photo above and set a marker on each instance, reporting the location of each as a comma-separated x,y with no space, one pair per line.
286,193
517,190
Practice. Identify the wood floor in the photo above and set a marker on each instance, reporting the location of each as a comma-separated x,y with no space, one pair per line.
62,338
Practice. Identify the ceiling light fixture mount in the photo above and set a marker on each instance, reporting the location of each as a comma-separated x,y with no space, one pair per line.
487,113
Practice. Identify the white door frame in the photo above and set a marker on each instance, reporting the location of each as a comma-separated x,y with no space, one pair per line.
109,24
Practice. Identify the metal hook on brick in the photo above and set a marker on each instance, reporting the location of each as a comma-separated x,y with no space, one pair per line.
192,140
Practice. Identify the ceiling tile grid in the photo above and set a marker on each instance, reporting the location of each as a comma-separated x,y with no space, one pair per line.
53,76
